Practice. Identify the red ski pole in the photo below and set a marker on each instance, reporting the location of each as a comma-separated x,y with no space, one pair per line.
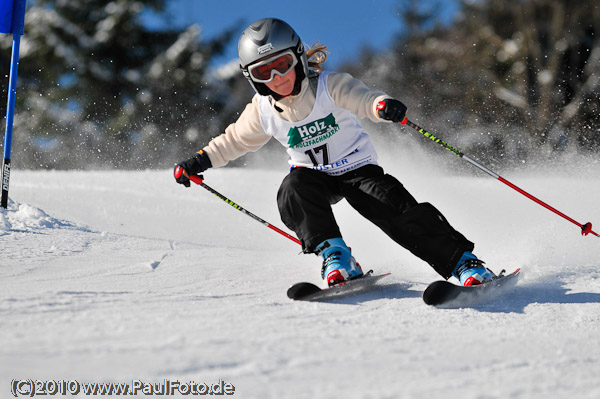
585,228
199,181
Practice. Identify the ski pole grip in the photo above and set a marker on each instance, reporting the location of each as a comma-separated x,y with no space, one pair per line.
180,171
196,179
381,106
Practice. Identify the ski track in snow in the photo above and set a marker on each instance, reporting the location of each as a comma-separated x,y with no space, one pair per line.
114,276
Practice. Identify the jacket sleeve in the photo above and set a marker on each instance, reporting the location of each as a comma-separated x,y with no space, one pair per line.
243,136
355,96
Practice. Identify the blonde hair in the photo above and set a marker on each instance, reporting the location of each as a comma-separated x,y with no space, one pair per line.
316,56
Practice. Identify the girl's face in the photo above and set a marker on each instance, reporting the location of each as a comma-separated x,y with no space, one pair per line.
283,85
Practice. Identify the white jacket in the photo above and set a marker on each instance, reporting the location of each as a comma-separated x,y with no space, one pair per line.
248,135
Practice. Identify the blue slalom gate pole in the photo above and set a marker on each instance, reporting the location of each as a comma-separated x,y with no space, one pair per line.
12,20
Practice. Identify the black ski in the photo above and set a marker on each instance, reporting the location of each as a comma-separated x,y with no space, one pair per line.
310,292
445,294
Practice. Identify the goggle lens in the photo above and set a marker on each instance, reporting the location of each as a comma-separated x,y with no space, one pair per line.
265,71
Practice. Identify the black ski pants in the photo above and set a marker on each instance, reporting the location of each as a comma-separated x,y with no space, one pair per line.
306,195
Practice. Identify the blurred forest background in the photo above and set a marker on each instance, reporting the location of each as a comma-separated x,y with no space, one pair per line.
97,89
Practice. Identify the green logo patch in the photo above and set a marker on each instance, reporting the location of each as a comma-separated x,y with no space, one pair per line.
312,133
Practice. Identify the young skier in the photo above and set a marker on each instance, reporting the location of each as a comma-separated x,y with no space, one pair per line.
314,114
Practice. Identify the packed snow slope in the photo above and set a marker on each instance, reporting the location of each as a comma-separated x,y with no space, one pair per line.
116,276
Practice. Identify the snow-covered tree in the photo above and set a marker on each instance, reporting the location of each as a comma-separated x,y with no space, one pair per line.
98,88
505,76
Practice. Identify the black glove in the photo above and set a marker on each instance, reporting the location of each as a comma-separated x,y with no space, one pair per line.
391,109
193,166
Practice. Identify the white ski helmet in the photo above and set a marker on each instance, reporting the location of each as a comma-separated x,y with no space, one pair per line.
267,37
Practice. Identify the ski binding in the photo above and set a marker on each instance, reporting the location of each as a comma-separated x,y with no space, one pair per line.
305,291
446,294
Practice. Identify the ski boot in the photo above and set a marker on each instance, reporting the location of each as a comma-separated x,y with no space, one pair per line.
338,263
470,271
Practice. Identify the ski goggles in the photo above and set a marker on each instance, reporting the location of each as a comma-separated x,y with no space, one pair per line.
280,64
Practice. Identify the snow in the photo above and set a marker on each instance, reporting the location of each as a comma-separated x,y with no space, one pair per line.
114,276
